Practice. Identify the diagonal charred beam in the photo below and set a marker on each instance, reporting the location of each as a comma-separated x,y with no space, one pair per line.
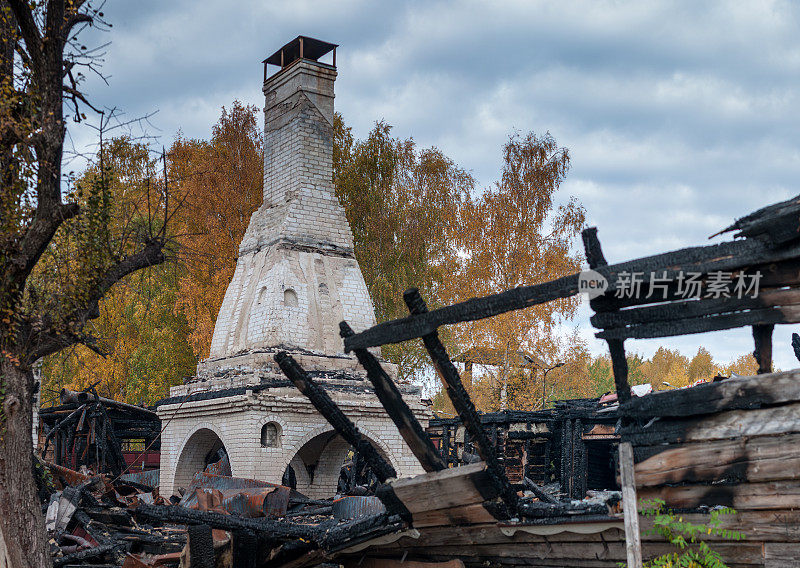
347,430
274,529
410,429
463,404
333,414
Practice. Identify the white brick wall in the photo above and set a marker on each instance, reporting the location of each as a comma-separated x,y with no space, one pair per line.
192,430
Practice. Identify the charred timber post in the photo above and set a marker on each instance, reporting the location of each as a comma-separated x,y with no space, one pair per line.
410,429
463,404
762,337
347,430
616,347
333,414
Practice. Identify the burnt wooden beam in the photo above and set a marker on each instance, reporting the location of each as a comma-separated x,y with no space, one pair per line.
463,404
566,457
334,415
592,248
539,492
767,316
721,257
708,398
690,308
392,400
541,509
181,515
445,443
382,469
87,554
762,337
777,222
201,546
579,472
619,366
616,348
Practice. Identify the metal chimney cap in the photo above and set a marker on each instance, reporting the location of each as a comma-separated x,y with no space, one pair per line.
301,47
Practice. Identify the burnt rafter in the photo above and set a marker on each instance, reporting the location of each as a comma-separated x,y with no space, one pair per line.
463,405
346,429
397,409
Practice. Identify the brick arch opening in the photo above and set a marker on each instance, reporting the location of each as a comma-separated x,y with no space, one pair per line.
201,449
315,468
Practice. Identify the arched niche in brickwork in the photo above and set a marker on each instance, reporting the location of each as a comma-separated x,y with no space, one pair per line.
197,451
319,458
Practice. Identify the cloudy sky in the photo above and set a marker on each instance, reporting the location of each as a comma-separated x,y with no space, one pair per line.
679,116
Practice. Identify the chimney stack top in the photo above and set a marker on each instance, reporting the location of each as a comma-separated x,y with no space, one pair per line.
301,47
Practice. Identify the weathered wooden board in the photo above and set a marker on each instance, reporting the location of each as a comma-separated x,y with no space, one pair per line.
760,458
731,424
732,394
781,555
493,533
609,552
453,516
445,489
771,495
758,526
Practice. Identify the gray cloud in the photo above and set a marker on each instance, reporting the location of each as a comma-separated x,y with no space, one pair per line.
679,116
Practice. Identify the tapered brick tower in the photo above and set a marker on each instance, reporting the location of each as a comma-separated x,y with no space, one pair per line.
296,278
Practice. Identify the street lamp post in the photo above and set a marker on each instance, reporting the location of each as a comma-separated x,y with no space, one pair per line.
544,380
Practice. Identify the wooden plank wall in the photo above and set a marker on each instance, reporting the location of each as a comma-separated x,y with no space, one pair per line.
734,443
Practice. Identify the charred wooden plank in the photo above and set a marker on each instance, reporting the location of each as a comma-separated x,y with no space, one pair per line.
724,425
397,409
540,509
463,404
761,458
708,398
717,322
778,222
690,308
771,495
87,554
201,546
275,529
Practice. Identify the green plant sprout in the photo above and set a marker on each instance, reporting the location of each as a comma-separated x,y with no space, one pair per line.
690,550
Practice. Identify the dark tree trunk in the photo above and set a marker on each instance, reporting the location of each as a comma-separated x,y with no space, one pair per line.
23,541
